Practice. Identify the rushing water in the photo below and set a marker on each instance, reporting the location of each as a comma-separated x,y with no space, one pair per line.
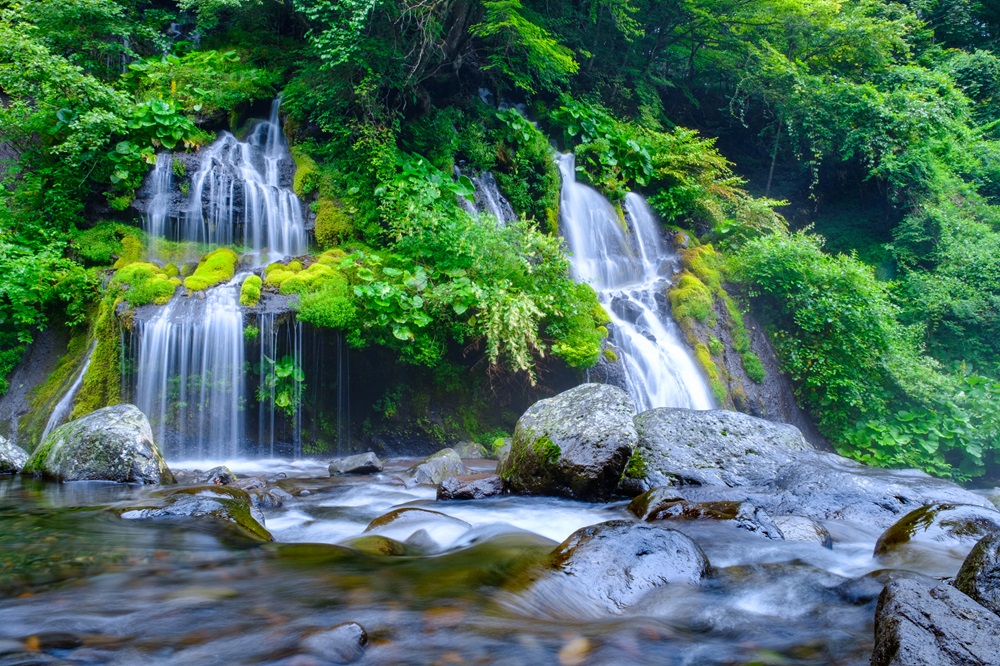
191,373
488,199
86,587
625,262
65,404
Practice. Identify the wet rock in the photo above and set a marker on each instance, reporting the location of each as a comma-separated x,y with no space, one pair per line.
917,625
715,447
866,589
374,544
574,445
435,469
501,453
422,529
268,498
979,576
471,486
471,450
363,463
221,505
800,528
12,457
946,524
661,504
219,476
608,567
343,644
110,444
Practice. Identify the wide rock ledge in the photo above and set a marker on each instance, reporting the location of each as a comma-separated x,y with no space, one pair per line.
110,444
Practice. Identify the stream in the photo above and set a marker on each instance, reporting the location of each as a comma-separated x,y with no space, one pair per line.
80,585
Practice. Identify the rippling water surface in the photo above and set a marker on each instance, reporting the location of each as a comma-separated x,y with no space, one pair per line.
78,585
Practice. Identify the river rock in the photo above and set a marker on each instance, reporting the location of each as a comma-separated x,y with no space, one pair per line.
608,567
950,525
223,505
919,625
471,450
362,463
219,476
12,457
110,444
714,447
343,644
420,529
979,576
374,544
662,504
435,469
470,486
800,528
574,445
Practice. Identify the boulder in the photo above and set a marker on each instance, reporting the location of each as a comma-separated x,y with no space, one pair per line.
223,506
921,625
661,504
343,644
362,463
471,450
373,544
800,528
608,567
950,525
715,447
110,444
12,457
219,476
574,445
420,529
471,486
979,576
435,469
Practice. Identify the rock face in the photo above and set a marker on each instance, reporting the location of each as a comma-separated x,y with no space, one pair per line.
979,576
608,567
575,444
12,457
472,486
659,504
917,625
435,469
718,447
945,524
225,506
110,444
363,463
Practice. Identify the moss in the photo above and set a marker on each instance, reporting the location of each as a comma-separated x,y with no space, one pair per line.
179,167
170,270
333,223
250,291
753,367
547,450
636,467
102,245
250,333
610,355
306,173
102,385
691,298
600,315
133,250
705,263
215,267
715,346
142,283
704,357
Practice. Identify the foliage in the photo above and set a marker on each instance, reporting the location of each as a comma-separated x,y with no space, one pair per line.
284,382
142,283
526,171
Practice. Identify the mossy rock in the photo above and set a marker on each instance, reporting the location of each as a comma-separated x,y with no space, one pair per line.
250,291
110,444
214,268
374,544
142,283
224,506
690,298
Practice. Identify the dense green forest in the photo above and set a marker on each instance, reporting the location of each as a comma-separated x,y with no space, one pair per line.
842,159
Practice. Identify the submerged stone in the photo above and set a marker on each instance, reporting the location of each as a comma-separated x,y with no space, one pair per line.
949,525
979,576
920,625
661,504
375,544
800,528
421,529
470,486
220,476
110,444
362,463
435,469
574,445
343,644
12,457
226,506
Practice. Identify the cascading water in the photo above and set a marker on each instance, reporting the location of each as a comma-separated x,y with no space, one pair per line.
630,272
65,404
190,374
239,194
488,199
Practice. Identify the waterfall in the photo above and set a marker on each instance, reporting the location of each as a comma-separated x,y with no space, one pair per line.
274,346
624,261
239,194
65,404
488,199
155,222
190,367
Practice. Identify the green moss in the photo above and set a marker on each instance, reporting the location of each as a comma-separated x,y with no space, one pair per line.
102,385
705,263
104,244
715,346
215,267
753,367
179,167
691,298
307,175
250,333
610,355
333,223
636,468
704,357
547,450
250,291
170,270
141,283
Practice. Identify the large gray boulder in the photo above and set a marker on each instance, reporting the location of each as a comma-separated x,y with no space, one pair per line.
920,625
434,469
575,444
607,568
716,447
979,576
12,457
110,444
362,463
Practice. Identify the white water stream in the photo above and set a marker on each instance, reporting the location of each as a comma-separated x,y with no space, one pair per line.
625,262
65,404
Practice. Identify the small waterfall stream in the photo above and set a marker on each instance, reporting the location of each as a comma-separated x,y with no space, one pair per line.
488,199
65,404
625,262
